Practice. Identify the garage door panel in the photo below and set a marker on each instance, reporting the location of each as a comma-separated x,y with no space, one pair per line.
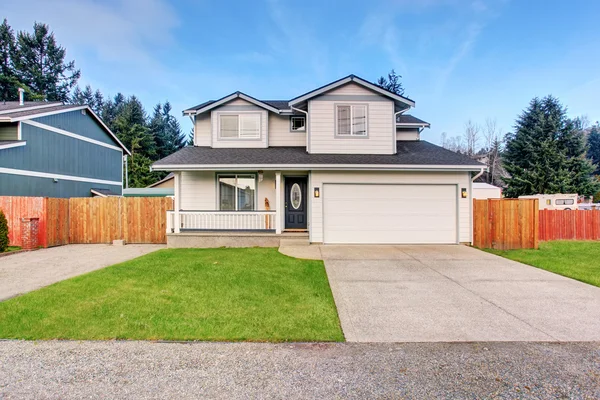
390,213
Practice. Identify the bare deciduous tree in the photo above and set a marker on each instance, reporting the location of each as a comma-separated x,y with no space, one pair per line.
471,137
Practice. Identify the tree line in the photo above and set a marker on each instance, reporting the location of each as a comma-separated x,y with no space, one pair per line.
35,62
547,152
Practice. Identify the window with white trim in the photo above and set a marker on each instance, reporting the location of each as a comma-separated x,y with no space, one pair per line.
351,120
239,126
298,124
237,192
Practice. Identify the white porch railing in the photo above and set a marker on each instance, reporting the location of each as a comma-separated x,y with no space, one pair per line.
222,220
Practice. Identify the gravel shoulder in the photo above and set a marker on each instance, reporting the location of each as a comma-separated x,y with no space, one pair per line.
144,370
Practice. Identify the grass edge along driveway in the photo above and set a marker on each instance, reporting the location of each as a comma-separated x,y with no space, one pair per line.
578,260
250,294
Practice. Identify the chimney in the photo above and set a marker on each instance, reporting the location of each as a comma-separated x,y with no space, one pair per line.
21,93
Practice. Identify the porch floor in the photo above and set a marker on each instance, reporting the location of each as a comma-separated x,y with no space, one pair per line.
211,239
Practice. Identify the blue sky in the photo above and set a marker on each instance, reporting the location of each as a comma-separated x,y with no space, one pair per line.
459,60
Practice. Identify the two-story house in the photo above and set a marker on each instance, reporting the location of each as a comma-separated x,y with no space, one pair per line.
343,163
51,149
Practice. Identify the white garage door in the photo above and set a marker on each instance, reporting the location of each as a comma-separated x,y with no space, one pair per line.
389,214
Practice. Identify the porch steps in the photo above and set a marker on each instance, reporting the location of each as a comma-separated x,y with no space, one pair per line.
294,241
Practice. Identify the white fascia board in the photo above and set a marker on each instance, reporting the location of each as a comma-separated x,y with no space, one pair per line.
232,97
30,108
36,174
346,80
327,167
401,125
11,145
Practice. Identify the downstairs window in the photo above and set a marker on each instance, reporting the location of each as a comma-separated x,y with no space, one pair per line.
237,192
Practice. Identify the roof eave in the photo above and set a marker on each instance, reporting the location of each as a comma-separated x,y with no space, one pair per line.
324,167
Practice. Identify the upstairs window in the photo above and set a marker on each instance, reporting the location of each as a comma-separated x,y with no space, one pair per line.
297,124
239,126
351,120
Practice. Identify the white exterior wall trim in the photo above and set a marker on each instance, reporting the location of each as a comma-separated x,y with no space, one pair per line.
71,134
11,145
36,174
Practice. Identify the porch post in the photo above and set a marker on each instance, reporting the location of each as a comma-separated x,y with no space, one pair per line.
278,210
177,206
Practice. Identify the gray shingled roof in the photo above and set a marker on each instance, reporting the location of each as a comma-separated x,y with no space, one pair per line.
10,105
409,153
279,104
23,113
409,119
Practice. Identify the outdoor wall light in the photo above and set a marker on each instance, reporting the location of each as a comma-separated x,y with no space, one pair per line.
317,192
463,193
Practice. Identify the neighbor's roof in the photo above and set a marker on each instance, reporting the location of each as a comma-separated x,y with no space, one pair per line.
11,111
410,153
409,120
166,178
10,105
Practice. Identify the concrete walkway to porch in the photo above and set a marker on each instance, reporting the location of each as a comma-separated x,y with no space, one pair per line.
451,293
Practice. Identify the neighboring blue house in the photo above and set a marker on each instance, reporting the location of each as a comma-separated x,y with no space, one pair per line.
57,150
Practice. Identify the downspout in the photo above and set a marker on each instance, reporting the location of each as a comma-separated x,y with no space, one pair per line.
193,119
395,137
483,169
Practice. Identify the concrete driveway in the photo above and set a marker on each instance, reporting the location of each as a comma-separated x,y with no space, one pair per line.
454,293
27,271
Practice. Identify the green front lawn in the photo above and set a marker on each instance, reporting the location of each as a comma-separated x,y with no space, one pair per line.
577,260
184,294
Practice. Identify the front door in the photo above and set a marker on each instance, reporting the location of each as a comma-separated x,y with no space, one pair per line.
295,203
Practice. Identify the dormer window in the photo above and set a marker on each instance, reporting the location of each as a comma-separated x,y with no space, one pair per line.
297,124
239,126
351,120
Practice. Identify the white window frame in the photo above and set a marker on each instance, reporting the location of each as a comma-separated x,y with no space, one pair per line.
292,124
240,115
236,175
352,134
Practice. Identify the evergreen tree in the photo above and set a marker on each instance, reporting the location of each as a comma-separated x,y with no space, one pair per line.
391,83
9,83
88,97
166,131
130,126
594,147
546,153
40,64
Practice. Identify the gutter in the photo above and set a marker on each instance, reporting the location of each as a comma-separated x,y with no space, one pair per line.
321,167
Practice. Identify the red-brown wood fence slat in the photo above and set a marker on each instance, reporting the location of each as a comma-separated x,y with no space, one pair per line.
505,223
569,225
89,220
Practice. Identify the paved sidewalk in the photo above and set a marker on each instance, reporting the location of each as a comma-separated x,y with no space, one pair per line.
27,271
145,370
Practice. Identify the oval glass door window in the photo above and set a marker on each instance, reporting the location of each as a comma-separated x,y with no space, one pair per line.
296,196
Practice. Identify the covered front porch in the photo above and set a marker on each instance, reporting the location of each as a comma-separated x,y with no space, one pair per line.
213,202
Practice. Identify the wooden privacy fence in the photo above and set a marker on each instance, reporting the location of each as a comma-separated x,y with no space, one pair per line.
134,219
89,220
53,228
569,224
505,224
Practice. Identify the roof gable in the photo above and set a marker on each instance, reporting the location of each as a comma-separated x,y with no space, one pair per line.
357,80
209,105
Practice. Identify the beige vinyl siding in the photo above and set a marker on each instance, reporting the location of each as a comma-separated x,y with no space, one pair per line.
247,108
198,190
279,132
380,129
407,134
202,133
460,179
9,131
352,89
